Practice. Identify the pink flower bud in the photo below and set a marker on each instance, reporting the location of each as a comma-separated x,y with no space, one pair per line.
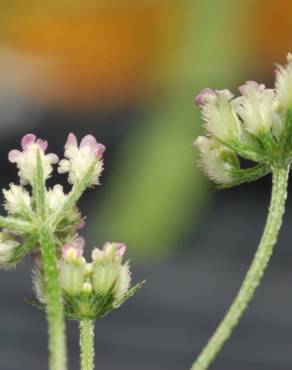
75,247
204,96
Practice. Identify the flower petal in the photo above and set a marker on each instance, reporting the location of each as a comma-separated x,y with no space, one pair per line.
90,141
13,155
43,144
27,140
100,149
71,140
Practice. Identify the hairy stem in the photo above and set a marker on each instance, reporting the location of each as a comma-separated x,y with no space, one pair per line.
254,274
87,344
54,307
74,194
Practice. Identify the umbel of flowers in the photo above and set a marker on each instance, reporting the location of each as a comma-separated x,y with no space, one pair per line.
256,126
45,222
90,290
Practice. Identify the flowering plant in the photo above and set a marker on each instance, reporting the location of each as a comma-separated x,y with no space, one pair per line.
46,223
257,126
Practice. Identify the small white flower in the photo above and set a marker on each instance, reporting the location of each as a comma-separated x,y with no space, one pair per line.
26,160
17,200
73,267
55,198
283,84
72,274
7,249
111,251
216,161
255,107
218,114
73,250
104,276
79,159
108,270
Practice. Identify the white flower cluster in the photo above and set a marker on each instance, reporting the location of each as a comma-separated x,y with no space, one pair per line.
80,159
99,276
44,222
105,278
257,117
83,164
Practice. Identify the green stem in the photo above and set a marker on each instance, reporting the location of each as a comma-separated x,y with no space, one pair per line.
87,344
74,194
54,306
254,274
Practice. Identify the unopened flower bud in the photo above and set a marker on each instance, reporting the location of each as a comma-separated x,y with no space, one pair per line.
255,107
206,96
104,276
218,113
55,198
72,274
17,200
73,251
107,269
111,251
216,160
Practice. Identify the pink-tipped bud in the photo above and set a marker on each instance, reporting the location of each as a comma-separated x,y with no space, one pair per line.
100,149
71,140
204,96
73,250
248,85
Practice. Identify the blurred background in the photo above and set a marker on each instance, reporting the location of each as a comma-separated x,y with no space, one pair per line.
127,72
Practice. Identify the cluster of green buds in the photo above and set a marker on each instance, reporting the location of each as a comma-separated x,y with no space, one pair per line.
257,126
90,290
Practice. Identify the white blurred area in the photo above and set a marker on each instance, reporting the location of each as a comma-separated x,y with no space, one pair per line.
25,80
